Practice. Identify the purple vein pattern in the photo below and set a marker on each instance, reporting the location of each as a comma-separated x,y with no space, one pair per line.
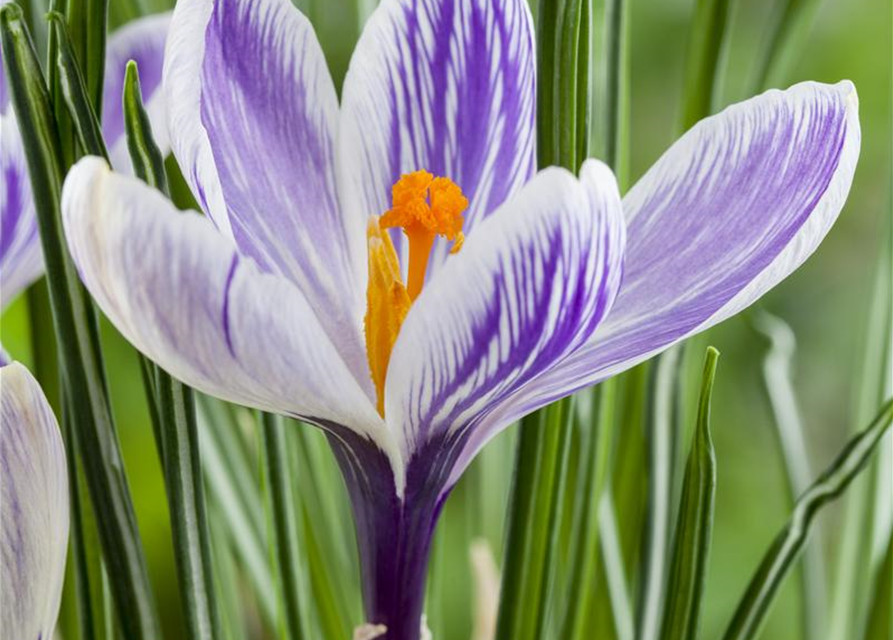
33,508
559,284
258,150
21,260
444,86
533,282
731,209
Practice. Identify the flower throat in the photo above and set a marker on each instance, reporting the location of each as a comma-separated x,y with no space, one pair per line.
424,207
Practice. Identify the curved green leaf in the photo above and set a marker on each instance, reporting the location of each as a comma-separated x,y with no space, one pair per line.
786,548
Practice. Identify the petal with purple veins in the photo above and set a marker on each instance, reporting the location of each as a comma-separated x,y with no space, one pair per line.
252,115
34,515
21,258
729,211
183,295
530,286
143,41
446,86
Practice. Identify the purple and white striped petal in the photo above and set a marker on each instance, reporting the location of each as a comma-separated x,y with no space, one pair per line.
252,115
141,40
183,295
530,286
730,210
442,85
34,516
21,258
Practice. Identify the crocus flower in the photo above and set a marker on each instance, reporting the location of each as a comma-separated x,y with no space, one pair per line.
33,508
21,259
324,281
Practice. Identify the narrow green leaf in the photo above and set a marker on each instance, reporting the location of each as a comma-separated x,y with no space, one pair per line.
278,482
788,33
880,611
694,526
235,492
532,522
663,430
584,563
854,561
78,540
177,432
786,548
777,376
66,134
584,82
329,538
611,616
74,90
44,352
230,584
616,583
87,24
563,37
707,38
333,622
148,162
186,502
76,328
615,53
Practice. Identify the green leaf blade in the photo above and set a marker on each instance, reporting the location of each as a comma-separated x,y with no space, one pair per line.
694,527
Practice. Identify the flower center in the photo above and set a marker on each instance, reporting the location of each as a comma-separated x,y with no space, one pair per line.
424,207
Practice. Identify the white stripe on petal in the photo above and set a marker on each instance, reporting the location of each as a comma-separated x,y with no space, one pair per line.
33,508
182,295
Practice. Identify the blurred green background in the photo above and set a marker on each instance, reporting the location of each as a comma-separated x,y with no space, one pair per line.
826,302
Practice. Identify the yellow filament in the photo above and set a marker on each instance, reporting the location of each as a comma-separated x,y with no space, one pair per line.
387,304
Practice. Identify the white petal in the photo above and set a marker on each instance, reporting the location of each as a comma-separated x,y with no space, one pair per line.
182,295
33,510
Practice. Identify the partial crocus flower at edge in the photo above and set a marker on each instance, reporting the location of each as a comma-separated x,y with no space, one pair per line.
21,258
34,509
395,271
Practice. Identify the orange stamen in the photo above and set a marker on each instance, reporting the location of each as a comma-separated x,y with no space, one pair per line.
424,207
